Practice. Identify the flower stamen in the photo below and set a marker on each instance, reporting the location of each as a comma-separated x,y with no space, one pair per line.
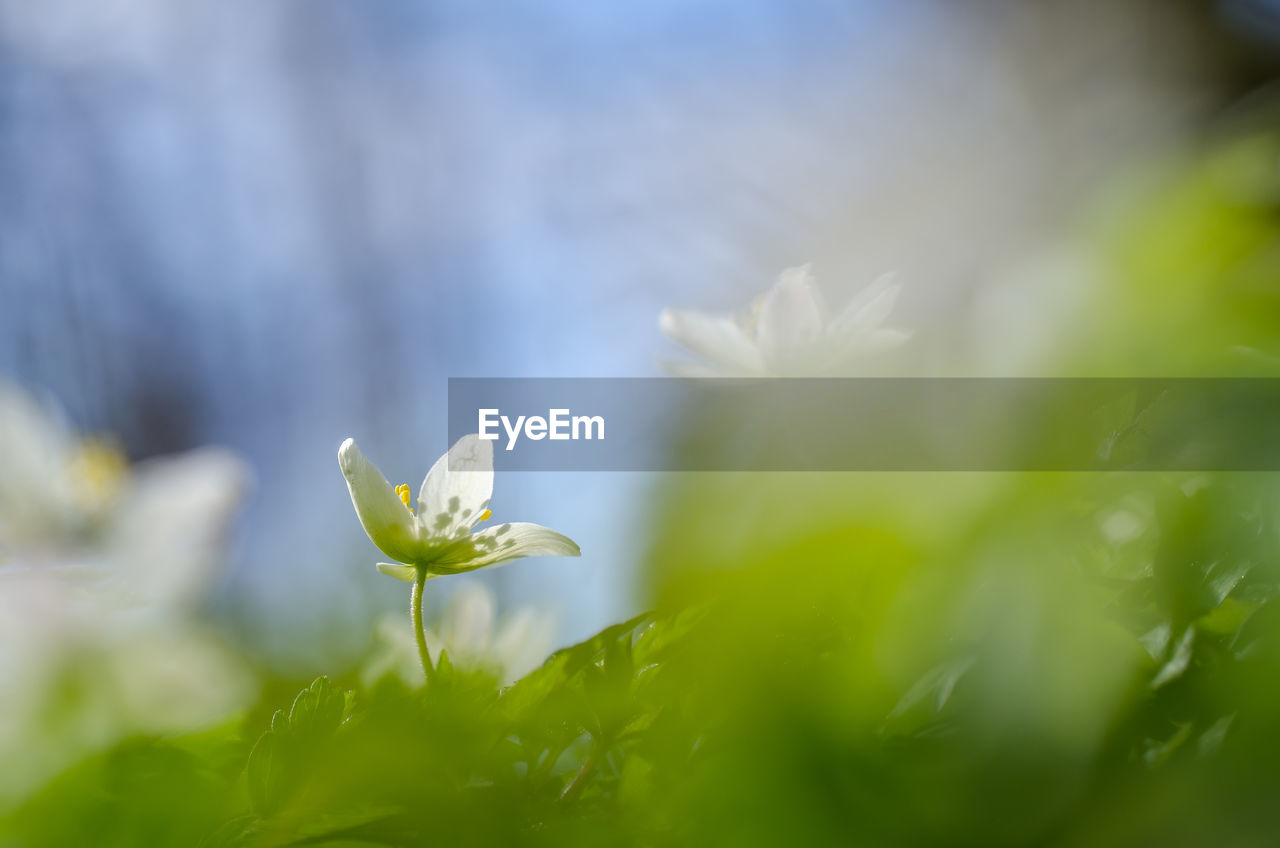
403,491
99,470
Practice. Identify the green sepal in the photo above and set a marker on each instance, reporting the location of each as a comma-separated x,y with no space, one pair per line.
400,571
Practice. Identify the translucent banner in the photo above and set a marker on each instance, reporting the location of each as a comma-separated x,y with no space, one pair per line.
919,424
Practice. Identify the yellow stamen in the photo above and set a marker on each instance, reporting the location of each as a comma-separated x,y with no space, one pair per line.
486,515
99,470
403,491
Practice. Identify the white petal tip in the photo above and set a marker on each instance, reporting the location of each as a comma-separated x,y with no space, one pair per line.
347,454
569,548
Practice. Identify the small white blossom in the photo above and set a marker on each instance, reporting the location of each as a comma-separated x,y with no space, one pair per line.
149,535
787,331
472,635
439,536
102,565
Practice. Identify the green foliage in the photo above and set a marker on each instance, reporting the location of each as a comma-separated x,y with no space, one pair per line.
280,762
143,792
1054,681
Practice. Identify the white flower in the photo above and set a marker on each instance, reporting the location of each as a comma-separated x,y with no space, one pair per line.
472,636
787,331
101,567
439,537
149,535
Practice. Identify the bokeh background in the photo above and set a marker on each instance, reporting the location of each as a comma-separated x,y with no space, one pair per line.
271,226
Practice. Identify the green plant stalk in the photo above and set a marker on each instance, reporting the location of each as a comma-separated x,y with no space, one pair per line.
415,612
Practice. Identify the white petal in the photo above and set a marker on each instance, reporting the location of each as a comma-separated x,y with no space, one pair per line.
169,533
792,316
467,626
457,489
35,451
385,518
174,681
399,571
848,348
715,337
884,339
502,543
869,308
523,642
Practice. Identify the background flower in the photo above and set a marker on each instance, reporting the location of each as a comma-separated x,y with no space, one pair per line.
472,634
787,331
103,570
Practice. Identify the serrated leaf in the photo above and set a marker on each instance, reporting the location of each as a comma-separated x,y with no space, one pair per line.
1211,740
1178,662
317,709
934,689
281,755
263,772
1156,641
563,665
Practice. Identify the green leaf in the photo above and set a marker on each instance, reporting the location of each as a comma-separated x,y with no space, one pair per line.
318,709
279,759
1178,662
560,667
263,770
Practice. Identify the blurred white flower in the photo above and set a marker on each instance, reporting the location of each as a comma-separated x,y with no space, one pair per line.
101,567
452,500
471,635
147,536
786,332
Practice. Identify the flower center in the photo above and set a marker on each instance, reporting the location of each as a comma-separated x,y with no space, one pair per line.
99,470
403,491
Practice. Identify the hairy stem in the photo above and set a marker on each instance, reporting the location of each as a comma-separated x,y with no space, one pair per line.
415,612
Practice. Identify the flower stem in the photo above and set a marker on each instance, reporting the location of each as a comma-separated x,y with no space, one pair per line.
415,612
